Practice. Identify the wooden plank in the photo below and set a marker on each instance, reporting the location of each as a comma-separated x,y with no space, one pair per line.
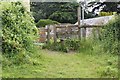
82,26
42,40
72,33
79,29
64,26
48,34
42,35
55,36
91,26
84,33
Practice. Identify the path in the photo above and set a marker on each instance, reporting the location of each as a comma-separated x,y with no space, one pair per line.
51,64
68,65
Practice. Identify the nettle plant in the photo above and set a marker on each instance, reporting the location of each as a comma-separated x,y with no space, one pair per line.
18,28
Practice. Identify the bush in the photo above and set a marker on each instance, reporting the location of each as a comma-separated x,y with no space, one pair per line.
73,44
111,36
19,30
70,45
44,22
56,47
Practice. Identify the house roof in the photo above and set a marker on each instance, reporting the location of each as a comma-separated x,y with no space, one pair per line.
96,21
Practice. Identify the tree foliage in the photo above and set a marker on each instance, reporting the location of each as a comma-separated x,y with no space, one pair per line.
64,12
67,11
64,17
18,28
105,6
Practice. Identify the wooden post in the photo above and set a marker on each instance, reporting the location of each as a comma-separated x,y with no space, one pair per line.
79,15
98,32
55,37
69,31
48,34
84,32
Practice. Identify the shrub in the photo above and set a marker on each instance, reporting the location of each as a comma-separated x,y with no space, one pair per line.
18,31
44,22
70,45
56,46
111,36
73,44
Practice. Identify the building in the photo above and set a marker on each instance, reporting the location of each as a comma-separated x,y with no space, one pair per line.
97,21
26,4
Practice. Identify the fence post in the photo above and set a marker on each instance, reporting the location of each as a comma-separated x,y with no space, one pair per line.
48,33
79,15
98,32
55,37
84,31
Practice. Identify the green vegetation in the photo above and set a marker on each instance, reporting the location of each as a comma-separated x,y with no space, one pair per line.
63,12
58,11
111,36
18,29
90,58
62,17
44,22
18,33
0,64
51,64
108,41
70,45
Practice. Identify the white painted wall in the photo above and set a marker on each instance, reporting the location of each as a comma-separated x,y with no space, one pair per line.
26,3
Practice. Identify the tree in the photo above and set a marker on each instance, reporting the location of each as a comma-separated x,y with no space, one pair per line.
105,6
47,10
64,12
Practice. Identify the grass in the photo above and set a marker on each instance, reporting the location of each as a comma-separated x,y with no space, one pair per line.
51,64
0,65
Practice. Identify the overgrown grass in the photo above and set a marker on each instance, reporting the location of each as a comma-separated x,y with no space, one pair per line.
0,64
89,61
68,45
88,58
52,64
